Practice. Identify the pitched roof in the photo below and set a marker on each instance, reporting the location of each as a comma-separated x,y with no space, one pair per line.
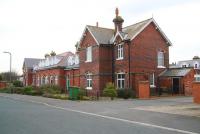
175,72
102,35
188,62
136,28
62,61
30,62
106,35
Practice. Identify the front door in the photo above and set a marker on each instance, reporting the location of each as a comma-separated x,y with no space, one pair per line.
176,85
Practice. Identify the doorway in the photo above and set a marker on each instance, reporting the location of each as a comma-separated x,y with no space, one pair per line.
175,85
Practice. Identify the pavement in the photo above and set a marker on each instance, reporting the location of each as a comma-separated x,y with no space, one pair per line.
21,114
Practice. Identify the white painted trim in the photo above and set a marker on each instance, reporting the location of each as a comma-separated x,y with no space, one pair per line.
89,88
161,67
118,33
86,27
159,29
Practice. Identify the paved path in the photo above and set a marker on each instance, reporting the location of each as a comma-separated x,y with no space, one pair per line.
20,114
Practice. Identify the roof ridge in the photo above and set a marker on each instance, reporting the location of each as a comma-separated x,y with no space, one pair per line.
137,23
100,27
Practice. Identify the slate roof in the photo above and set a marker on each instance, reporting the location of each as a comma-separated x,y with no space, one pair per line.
175,72
62,63
188,62
133,30
104,35
30,62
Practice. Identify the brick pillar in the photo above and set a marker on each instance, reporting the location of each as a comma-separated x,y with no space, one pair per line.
196,92
144,90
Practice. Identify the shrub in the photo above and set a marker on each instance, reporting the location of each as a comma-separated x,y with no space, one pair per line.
125,93
110,91
28,90
57,96
50,89
17,83
81,93
5,90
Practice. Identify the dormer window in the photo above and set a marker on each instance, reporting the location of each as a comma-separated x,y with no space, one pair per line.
89,54
195,65
184,66
120,52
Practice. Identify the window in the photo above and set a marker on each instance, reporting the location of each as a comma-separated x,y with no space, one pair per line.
43,80
89,54
184,66
120,80
197,77
56,80
46,80
160,59
120,52
152,80
89,81
38,81
196,66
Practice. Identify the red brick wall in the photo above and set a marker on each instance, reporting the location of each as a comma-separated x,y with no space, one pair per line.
52,72
74,76
92,67
105,66
196,92
143,54
165,82
28,77
3,84
144,90
187,83
144,49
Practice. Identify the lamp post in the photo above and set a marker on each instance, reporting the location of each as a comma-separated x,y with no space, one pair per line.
10,63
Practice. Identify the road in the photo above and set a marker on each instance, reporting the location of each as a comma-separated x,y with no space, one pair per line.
37,115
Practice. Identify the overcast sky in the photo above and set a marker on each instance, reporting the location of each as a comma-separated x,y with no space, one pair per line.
31,28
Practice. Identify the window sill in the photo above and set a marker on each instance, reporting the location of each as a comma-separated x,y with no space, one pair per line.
87,61
89,88
161,67
152,86
120,58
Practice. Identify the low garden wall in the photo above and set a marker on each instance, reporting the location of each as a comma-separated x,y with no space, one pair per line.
196,92
3,84
143,90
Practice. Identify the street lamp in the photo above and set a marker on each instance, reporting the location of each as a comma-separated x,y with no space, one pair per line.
10,63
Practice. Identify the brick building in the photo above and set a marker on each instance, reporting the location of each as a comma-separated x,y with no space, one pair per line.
123,55
177,81
55,70
27,68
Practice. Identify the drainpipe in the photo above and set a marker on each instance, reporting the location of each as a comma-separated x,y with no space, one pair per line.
129,64
113,63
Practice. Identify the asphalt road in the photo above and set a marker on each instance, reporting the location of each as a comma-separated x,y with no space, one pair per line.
32,115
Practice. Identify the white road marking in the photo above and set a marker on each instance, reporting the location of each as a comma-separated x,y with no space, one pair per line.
107,117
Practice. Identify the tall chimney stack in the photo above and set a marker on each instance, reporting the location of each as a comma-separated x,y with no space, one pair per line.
118,21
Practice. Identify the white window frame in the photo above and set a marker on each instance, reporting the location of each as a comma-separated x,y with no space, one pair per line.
120,51
152,80
46,80
196,67
120,80
56,80
38,81
161,59
89,81
89,54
